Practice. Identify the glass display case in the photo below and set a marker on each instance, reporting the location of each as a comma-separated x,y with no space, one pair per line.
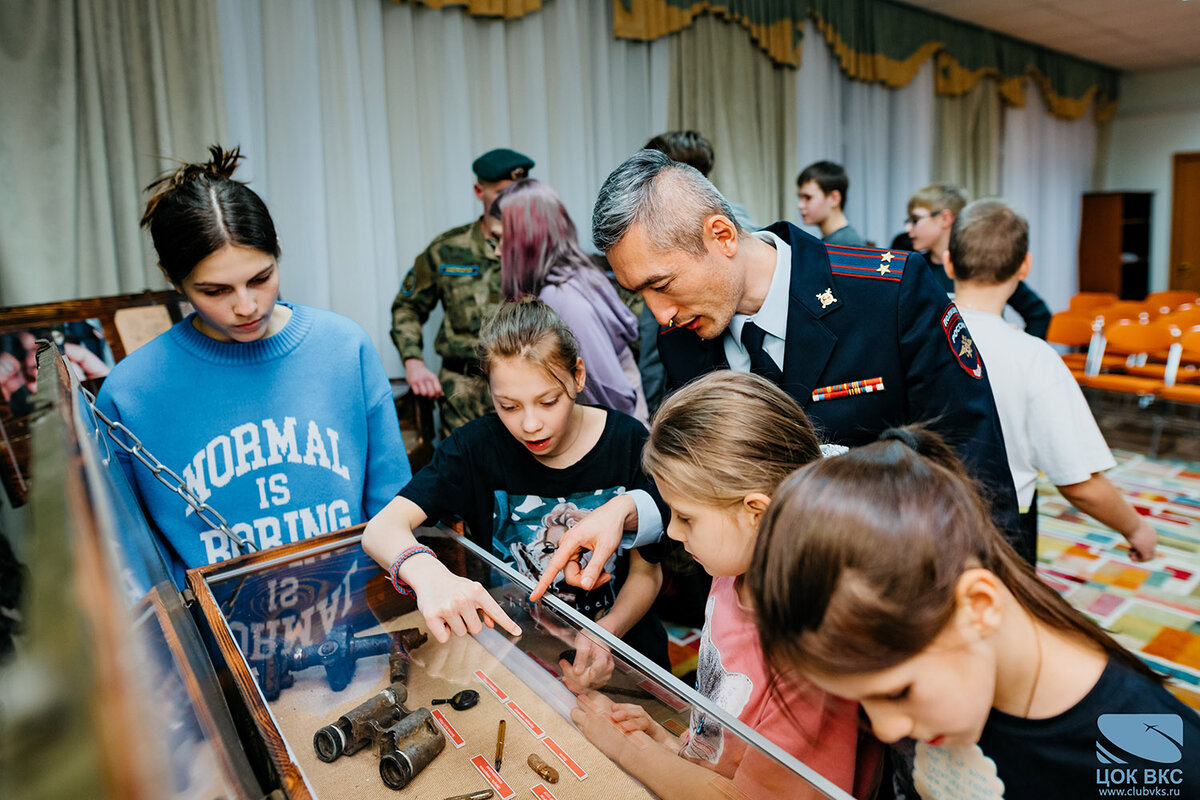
111,692
352,698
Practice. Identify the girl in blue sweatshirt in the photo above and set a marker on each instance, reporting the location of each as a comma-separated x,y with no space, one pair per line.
278,415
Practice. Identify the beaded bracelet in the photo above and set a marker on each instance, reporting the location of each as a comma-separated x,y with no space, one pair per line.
394,570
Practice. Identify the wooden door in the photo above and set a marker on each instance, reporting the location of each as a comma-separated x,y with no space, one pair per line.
1100,242
1185,223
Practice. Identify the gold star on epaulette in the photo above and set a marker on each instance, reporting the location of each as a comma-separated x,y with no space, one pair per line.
883,269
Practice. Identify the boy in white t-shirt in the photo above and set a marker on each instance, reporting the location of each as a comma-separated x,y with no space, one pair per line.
1046,421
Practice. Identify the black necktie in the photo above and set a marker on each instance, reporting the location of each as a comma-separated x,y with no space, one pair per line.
760,363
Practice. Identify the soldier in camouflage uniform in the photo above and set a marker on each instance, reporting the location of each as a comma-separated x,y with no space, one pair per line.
460,268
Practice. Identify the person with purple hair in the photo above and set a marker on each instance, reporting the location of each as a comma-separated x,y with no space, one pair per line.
540,256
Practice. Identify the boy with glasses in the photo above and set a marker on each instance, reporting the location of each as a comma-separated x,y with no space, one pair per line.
931,214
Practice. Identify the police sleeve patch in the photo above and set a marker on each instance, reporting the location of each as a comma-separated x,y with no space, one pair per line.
960,341
410,284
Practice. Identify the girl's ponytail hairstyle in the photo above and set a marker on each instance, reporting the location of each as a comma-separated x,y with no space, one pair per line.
726,435
531,330
199,208
858,558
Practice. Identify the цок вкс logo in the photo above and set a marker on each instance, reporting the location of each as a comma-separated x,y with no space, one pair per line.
1150,737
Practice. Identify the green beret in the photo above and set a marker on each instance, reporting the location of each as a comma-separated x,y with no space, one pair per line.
502,165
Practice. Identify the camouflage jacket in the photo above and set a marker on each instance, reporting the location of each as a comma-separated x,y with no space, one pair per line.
461,269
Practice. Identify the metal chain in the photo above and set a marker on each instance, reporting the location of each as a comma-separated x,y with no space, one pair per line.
203,510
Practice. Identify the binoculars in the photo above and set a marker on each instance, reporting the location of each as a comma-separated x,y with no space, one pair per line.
408,747
362,725
407,740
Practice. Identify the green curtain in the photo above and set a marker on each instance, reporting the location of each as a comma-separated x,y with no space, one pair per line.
885,42
966,147
752,129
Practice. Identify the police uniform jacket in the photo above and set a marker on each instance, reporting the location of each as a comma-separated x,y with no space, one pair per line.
856,314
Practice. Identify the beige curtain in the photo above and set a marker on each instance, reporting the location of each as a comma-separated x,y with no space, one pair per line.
967,135
723,87
94,93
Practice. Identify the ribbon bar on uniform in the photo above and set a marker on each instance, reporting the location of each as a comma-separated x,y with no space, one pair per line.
846,389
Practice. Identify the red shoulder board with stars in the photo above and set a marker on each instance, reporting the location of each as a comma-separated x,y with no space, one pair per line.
866,262
960,341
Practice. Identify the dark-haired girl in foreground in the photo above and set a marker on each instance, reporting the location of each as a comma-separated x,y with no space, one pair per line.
278,415
879,576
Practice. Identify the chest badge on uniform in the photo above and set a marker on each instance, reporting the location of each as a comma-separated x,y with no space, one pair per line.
826,298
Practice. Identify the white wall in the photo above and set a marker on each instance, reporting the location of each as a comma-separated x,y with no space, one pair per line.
1158,116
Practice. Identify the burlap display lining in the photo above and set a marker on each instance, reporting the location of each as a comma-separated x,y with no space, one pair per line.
310,704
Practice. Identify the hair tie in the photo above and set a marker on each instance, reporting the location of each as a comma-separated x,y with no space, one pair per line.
904,436
220,166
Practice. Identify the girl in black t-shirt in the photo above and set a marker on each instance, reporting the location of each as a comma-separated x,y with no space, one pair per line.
878,575
519,479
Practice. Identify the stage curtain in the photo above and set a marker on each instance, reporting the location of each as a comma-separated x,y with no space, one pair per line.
96,96
361,119
1046,166
745,106
967,140
878,41
509,9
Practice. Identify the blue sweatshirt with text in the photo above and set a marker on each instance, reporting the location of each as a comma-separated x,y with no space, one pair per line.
287,437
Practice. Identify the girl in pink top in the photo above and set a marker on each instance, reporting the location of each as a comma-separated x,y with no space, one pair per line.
718,449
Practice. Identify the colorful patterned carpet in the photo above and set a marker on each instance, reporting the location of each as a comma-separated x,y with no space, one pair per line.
1153,608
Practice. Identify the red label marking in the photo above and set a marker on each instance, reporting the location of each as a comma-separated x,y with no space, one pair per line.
564,758
542,793
501,695
448,728
502,789
534,728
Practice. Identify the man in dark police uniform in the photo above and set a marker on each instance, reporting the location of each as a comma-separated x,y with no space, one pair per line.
862,338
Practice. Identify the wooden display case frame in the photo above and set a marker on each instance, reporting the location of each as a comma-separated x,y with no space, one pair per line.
282,751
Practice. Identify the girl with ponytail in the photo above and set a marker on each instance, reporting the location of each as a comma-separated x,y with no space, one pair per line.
878,576
278,415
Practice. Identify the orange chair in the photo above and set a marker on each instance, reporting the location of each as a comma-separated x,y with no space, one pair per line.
1185,316
1171,298
1087,301
1160,363
1189,356
1079,329
1132,339
1127,310
1072,329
